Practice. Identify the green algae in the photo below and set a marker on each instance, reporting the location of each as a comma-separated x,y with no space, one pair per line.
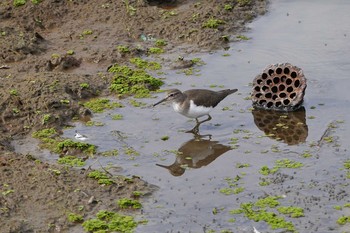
281,163
101,104
291,211
108,221
143,64
260,211
212,23
117,117
44,133
126,203
73,217
70,144
343,220
71,161
128,81
101,177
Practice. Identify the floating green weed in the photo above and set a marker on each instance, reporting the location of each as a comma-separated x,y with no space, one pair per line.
99,105
131,151
306,154
242,165
343,220
136,103
198,61
114,152
94,123
108,221
71,161
125,203
70,144
347,167
233,186
117,117
242,37
258,212
286,163
265,170
283,163
291,211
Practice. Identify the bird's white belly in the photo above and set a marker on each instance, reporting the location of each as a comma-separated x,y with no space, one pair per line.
194,111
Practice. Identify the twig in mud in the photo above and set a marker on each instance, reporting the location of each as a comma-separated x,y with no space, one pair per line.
325,133
105,169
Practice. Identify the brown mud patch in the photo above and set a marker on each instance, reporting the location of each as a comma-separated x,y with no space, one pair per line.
39,76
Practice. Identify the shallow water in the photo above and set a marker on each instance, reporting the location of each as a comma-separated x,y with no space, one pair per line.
313,35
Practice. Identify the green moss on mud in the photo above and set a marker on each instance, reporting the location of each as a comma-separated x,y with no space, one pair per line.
99,105
101,177
72,217
71,161
128,81
126,203
108,221
44,133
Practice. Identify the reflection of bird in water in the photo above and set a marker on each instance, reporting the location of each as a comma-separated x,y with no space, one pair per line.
195,153
80,136
289,127
195,103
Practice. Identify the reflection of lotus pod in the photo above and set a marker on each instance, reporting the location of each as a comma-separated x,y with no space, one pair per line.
279,87
289,127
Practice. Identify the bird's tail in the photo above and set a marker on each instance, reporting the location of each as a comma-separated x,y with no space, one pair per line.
228,91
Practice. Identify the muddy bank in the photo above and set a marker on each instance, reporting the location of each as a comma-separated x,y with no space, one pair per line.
48,50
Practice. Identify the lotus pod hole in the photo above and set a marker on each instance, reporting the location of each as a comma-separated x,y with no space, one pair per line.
279,87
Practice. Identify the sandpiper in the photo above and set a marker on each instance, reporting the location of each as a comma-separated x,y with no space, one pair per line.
80,136
195,103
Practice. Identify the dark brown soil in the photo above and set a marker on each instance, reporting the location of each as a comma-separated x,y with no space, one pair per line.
36,73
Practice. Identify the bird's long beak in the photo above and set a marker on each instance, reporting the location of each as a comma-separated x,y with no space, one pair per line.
160,102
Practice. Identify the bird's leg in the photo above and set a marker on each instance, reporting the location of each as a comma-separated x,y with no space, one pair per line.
195,129
200,122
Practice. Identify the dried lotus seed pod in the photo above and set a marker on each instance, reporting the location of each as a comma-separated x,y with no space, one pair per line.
279,87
